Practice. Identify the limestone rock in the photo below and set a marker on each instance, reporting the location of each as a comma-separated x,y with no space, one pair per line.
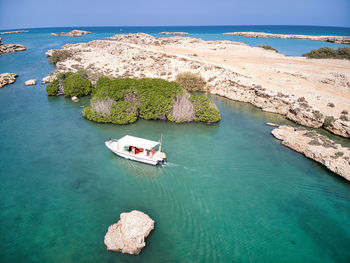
7,78
48,79
75,99
335,39
73,33
129,233
9,48
30,82
316,147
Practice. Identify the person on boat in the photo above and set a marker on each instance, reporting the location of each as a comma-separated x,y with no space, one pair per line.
110,140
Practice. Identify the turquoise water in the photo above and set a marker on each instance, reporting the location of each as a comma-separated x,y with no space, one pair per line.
229,193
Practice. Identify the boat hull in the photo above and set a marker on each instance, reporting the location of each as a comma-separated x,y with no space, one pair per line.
133,157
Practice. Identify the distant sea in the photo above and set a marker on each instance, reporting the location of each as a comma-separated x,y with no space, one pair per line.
229,192
289,47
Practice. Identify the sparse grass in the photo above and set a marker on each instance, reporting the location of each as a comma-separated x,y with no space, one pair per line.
59,55
267,47
344,117
190,81
328,121
327,52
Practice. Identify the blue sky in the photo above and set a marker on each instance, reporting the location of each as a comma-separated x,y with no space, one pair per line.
60,13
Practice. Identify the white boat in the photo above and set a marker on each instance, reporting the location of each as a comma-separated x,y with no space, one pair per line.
137,149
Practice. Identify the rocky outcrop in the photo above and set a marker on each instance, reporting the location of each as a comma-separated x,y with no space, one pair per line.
129,233
173,33
298,88
334,39
316,147
13,32
8,48
7,78
48,79
73,33
30,82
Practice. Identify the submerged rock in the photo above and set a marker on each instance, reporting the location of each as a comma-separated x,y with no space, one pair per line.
30,82
129,233
7,78
73,33
316,147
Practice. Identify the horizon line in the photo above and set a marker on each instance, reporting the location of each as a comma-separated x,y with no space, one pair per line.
26,28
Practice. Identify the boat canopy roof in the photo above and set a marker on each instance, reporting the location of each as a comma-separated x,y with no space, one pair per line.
137,142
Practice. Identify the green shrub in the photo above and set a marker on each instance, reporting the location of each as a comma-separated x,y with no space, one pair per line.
52,88
190,81
59,55
74,84
268,48
327,52
122,101
205,110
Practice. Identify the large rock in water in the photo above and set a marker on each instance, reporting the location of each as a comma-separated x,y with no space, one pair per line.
129,233
30,82
7,78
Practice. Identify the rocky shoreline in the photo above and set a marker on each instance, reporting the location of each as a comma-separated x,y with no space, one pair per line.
14,32
9,48
7,78
316,147
73,33
313,93
333,39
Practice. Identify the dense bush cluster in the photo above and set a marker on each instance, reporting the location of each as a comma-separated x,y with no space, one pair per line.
205,110
72,84
268,48
190,81
122,101
59,55
327,52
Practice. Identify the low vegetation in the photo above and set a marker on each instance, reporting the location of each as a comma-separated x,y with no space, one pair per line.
327,52
70,84
123,101
268,48
59,55
190,81
204,109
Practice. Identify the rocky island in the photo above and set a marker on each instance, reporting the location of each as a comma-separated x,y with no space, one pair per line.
316,147
129,233
73,33
310,92
7,78
13,32
9,48
173,33
334,39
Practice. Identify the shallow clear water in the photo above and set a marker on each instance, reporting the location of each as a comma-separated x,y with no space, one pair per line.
229,192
